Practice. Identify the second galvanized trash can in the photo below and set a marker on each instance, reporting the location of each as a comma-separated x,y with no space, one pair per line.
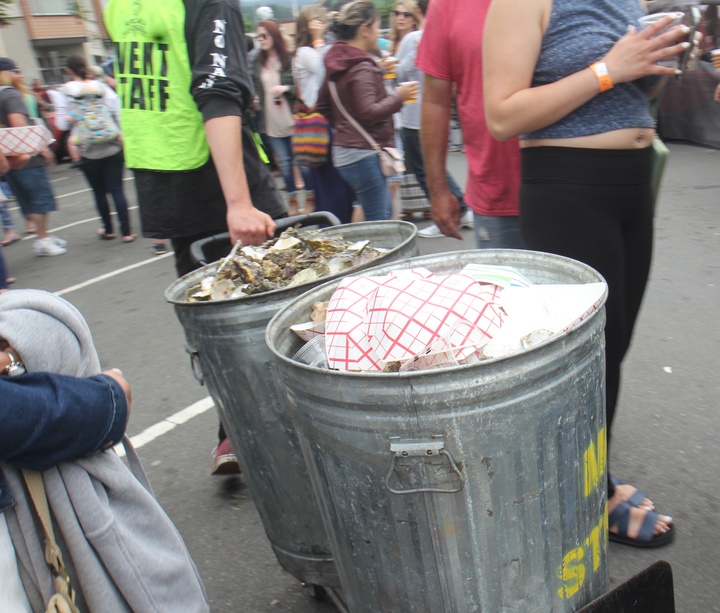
470,488
227,341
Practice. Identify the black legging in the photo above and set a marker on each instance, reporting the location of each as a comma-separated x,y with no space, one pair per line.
105,176
595,206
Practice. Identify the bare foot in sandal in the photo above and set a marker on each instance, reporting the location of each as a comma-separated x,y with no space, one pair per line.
631,494
106,236
10,237
637,527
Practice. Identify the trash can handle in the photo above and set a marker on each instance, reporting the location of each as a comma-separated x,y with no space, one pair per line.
422,448
195,364
197,249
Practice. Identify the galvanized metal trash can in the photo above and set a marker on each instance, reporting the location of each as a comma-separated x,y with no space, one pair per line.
470,488
227,343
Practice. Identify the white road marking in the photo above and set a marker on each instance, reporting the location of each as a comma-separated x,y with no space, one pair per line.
74,223
82,191
58,179
112,274
82,221
166,425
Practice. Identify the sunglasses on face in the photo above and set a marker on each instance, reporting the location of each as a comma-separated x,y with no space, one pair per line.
403,14
262,36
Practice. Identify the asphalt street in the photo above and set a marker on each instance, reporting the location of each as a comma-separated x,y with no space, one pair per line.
664,436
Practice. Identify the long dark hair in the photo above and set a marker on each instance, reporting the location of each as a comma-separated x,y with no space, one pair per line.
351,16
77,64
278,45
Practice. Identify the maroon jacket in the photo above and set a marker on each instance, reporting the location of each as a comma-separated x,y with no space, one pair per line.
362,91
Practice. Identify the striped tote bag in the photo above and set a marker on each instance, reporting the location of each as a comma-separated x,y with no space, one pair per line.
311,136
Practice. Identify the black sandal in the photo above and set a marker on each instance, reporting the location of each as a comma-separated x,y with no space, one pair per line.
619,519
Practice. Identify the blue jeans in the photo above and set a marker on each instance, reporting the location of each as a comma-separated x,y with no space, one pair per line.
282,149
7,220
416,164
492,232
6,189
32,190
3,272
370,187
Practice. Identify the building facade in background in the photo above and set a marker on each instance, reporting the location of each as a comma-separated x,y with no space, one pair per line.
43,33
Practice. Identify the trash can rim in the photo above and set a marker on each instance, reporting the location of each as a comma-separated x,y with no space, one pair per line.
172,291
404,375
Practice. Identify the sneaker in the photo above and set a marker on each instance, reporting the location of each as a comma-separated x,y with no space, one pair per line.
47,247
466,221
60,242
159,248
224,460
431,232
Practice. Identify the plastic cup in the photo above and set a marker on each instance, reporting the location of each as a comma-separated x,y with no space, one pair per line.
313,353
411,100
715,54
390,74
647,20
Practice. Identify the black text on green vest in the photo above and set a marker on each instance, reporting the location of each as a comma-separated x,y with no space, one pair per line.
162,127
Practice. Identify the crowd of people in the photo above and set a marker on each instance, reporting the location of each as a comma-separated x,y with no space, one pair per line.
558,138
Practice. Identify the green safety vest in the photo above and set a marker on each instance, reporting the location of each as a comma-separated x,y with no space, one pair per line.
162,126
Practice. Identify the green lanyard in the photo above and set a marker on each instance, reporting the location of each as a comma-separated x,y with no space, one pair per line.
261,150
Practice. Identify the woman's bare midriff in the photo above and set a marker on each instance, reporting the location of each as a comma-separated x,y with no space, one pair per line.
629,138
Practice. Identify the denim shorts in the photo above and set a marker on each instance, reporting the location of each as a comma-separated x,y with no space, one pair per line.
32,190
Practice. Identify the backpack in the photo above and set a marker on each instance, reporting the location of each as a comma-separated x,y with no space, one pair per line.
95,124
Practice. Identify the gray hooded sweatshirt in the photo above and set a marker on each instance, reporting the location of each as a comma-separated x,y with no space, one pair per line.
121,550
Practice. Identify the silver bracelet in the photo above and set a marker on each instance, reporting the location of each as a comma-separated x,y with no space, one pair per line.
15,368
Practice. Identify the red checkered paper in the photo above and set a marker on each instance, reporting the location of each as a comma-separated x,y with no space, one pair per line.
375,320
24,140
309,330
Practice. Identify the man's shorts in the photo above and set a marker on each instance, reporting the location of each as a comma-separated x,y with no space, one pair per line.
32,190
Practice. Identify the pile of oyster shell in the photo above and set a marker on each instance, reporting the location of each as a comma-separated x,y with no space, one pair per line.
290,259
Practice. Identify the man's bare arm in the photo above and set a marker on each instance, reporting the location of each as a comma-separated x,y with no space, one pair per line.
435,128
245,222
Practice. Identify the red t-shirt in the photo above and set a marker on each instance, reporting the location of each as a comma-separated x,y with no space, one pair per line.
451,49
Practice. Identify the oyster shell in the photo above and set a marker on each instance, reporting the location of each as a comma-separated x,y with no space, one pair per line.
288,260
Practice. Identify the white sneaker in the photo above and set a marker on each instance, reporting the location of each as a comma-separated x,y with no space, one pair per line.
430,232
466,221
60,242
47,246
